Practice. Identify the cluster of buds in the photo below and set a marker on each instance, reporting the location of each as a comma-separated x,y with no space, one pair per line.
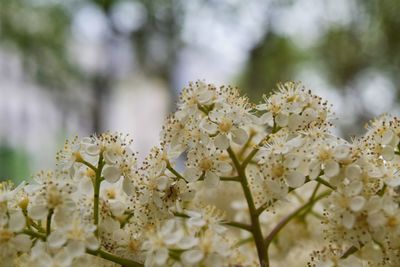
231,183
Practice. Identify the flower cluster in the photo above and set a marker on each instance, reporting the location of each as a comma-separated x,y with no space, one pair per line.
230,184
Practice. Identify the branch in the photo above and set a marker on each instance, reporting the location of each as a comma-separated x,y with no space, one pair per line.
288,218
349,251
255,223
114,258
96,192
88,164
242,226
228,223
232,179
322,181
247,144
48,222
174,172
103,254
34,234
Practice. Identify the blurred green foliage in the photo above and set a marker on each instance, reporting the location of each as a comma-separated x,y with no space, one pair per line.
273,60
14,163
39,33
371,41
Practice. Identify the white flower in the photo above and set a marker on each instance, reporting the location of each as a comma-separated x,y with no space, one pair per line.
53,192
11,240
76,236
207,162
226,126
159,239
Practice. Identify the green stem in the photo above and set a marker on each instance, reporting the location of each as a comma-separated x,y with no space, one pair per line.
103,254
27,219
268,203
322,181
246,145
314,193
96,192
249,157
174,172
382,190
288,218
232,179
48,222
348,252
181,215
88,164
34,234
255,223
203,108
228,223
114,258
242,226
244,241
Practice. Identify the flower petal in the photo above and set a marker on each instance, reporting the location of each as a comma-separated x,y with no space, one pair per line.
221,141
56,239
332,168
192,174
282,120
239,136
387,153
223,167
295,179
22,242
357,203
111,174
211,180
37,212
348,220
17,221
192,257
208,126
161,256
353,171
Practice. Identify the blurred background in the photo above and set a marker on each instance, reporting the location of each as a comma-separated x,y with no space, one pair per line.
79,67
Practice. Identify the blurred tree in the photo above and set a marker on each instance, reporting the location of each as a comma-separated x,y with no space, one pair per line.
342,54
42,38
39,32
273,60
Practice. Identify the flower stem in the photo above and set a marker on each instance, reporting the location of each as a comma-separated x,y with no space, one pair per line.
175,172
96,194
288,218
34,234
348,252
322,181
104,254
239,225
88,164
114,258
48,222
255,223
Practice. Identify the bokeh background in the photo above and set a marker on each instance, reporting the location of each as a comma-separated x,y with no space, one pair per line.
79,67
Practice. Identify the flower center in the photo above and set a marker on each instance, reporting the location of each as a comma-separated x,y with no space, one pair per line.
5,236
206,164
324,155
225,125
53,197
392,222
111,193
277,170
133,246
